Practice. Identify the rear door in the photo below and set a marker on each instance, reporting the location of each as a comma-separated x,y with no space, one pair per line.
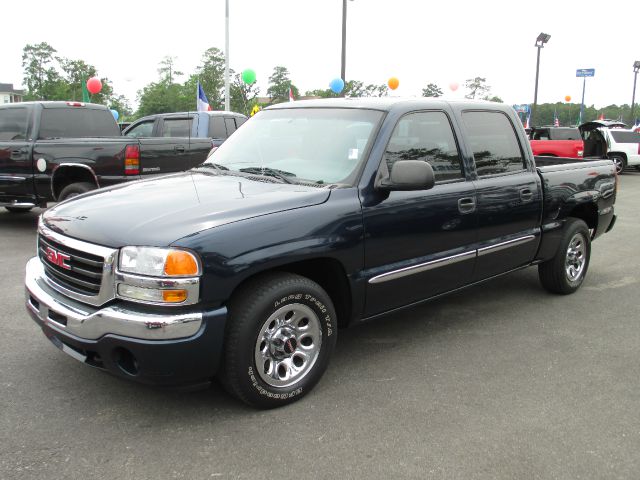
164,144
420,243
509,194
16,166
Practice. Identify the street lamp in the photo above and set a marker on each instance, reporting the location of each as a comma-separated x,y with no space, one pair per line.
636,68
540,41
344,43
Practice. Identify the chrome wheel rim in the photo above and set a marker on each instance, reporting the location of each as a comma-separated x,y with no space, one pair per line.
619,164
288,345
576,257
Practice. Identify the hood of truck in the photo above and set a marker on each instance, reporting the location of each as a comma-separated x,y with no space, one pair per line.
160,211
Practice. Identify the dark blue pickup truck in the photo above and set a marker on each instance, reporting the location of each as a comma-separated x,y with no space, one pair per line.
315,215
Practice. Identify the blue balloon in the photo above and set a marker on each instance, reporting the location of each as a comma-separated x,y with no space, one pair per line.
336,85
115,114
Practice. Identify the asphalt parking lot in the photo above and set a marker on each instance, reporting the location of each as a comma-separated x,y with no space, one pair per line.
501,381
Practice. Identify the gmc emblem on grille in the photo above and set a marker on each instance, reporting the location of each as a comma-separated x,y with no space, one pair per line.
58,258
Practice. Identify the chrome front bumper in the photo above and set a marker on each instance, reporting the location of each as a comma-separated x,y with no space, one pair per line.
84,321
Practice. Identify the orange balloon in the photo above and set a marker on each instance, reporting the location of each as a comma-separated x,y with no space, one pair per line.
393,83
567,98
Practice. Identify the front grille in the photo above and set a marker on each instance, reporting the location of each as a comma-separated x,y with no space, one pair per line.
85,273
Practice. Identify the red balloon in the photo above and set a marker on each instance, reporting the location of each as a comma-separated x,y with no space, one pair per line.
94,85
453,86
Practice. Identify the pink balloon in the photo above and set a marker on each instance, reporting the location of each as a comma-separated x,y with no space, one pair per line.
453,86
94,85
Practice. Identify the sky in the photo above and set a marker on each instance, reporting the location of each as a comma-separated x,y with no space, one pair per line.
417,41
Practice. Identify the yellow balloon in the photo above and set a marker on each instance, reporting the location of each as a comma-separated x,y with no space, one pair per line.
393,83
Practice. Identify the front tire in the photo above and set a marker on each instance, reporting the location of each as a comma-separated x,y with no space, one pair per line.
566,271
279,338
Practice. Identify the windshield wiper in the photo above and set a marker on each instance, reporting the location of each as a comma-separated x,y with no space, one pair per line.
217,166
272,172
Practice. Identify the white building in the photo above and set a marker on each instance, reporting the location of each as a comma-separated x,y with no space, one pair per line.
9,95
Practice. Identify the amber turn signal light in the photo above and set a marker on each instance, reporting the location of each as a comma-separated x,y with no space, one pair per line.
174,296
180,262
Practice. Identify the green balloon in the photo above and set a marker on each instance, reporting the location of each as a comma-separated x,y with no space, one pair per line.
248,76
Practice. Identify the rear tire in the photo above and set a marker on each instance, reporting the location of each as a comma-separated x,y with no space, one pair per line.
74,190
19,209
619,162
279,337
566,271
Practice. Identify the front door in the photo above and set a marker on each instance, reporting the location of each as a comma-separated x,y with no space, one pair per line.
420,243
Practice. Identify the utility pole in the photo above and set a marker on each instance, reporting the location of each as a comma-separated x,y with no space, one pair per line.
227,94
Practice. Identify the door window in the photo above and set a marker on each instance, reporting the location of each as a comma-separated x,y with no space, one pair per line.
143,129
230,123
13,124
216,128
177,127
426,136
494,143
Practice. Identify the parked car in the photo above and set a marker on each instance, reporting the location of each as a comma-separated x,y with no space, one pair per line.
213,125
51,151
612,140
557,142
245,266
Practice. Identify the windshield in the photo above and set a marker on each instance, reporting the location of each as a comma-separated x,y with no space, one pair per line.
320,145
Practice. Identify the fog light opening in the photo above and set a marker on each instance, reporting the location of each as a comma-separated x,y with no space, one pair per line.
126,361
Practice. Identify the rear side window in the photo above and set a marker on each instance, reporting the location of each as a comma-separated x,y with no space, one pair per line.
625,137
494,143
426,136
230,123
240,121
177,127
216,128
77,122
565,134
13,124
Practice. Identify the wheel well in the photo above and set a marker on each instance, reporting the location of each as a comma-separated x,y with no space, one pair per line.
621,154
587,212
64,176
326,272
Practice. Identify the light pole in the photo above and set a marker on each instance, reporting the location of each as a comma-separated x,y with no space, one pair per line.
227,95
636,68
540,41
344,44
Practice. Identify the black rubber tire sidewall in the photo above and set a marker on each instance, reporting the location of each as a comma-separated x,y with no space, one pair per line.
248,310
75,189
552,273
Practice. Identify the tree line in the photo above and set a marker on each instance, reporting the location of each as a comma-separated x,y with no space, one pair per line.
48,76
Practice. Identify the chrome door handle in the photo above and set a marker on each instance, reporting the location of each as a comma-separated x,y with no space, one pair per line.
467,205
526,195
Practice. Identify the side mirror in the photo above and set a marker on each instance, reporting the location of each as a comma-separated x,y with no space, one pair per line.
409,175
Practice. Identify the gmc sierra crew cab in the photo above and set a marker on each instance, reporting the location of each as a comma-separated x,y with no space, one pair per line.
50,151
315,215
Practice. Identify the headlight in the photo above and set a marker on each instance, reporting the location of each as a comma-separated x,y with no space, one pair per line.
159,276
158,262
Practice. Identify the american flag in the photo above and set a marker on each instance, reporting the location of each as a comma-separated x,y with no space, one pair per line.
556,121
291,99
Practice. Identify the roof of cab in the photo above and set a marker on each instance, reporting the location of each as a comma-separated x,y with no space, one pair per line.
390,103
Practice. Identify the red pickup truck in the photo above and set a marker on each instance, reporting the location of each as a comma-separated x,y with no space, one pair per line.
557,142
